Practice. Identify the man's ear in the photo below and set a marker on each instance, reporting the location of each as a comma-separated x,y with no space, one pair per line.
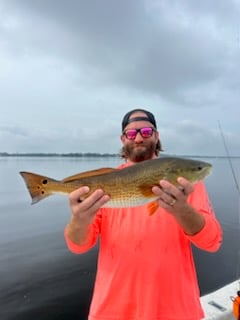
157,134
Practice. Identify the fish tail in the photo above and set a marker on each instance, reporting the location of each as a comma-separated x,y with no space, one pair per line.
37,185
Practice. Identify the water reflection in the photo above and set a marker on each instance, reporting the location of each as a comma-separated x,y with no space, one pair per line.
41,279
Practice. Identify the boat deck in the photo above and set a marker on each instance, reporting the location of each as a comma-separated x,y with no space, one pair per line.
218,304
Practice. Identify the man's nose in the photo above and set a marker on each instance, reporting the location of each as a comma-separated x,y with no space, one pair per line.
138,138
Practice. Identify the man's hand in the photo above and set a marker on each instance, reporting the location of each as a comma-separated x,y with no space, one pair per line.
83,212
174,200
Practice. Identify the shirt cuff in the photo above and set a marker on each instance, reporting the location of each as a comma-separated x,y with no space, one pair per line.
209,237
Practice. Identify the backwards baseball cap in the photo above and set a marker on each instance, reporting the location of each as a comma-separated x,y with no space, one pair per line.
147,117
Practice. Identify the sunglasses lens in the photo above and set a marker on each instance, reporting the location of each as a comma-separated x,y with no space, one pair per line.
131,134
146,132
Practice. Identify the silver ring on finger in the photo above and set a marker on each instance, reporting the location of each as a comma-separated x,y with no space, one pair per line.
172,202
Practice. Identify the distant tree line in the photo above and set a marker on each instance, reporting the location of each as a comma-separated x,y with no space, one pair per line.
72,154
96,154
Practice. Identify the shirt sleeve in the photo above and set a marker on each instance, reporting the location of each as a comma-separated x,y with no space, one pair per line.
210,237
92,237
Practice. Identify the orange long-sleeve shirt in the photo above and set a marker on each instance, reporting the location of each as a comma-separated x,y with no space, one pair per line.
145,265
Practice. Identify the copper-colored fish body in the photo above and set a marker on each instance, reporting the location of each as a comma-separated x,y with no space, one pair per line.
131,186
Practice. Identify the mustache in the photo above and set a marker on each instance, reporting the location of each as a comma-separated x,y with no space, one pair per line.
140,144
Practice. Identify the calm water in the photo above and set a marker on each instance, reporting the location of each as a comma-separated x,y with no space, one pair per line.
41,279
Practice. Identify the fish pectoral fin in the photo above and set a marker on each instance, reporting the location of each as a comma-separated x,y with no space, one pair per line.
87,174
152,207
146,190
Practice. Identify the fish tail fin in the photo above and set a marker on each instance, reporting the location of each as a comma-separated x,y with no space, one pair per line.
37,185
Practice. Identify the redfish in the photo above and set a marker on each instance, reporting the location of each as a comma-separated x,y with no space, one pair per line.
128,187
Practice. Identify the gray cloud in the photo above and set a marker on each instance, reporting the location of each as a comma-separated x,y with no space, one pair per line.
76,64
13,130
161,51
192,138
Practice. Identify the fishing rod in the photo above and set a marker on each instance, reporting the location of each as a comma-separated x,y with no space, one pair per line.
235,300
238,190
229,159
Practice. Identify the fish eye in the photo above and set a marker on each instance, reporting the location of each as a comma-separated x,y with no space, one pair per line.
45,181
199,168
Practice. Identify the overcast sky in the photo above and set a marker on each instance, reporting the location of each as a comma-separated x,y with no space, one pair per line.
71,69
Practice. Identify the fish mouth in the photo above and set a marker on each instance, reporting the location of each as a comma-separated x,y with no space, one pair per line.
207,170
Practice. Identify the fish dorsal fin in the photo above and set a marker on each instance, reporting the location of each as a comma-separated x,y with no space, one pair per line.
87,174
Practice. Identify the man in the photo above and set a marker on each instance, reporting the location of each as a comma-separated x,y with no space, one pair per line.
145,265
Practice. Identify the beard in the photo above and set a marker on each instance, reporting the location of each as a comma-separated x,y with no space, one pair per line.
139,152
